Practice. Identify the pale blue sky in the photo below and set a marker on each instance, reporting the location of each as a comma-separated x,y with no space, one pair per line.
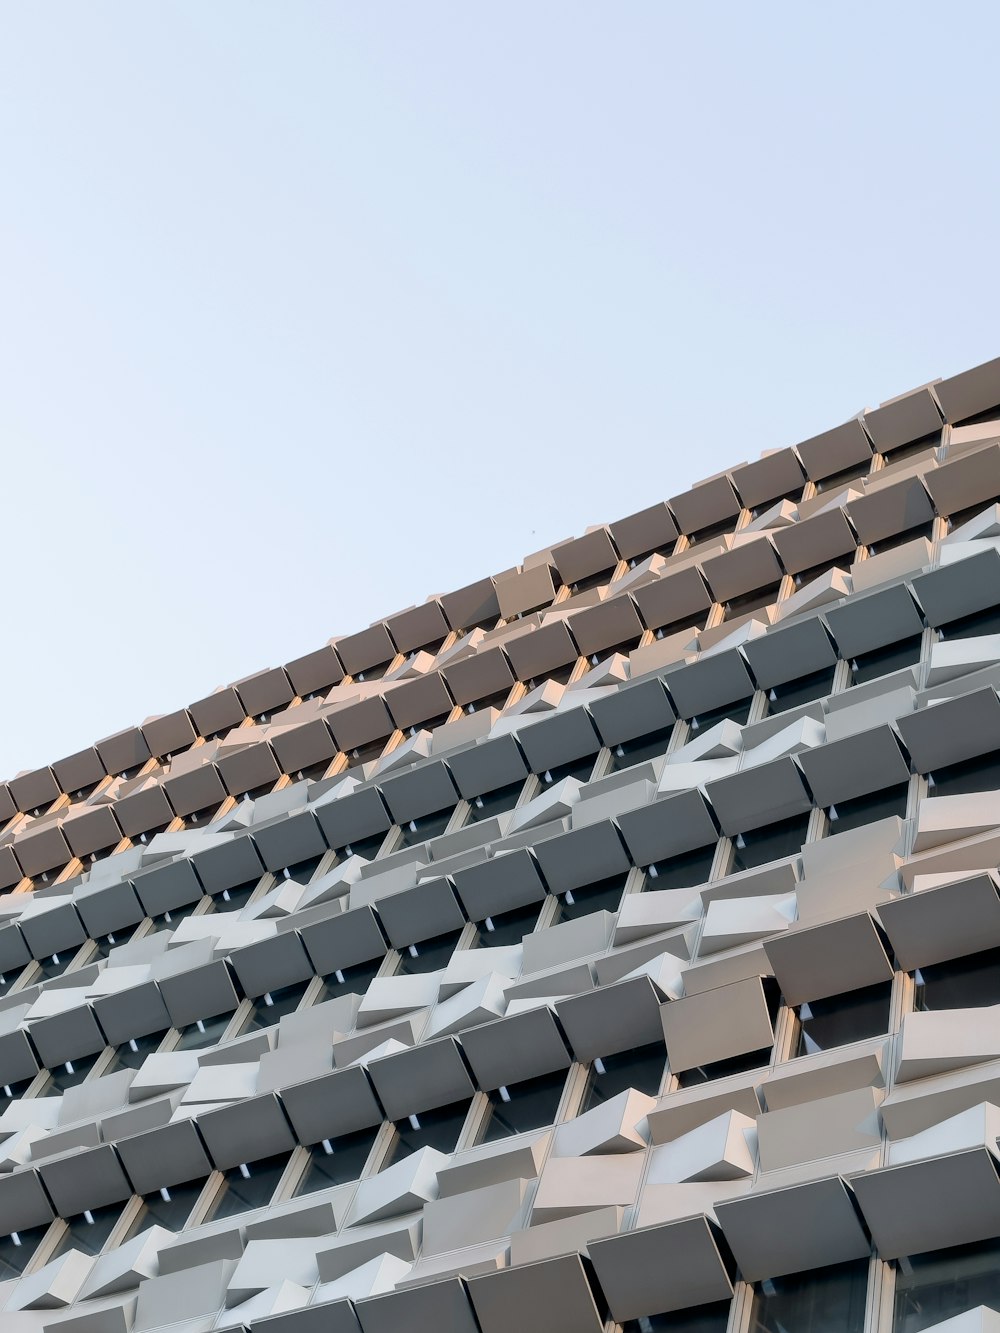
308,310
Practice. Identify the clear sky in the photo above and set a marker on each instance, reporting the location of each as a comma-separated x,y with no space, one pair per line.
309,309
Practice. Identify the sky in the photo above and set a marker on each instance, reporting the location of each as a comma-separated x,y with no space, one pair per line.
311,309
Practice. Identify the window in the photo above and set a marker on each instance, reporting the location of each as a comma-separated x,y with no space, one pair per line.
350,980
16,1249
757,846
883,661
681,872
366,848
860,810
131,1054
204,1032
10,1092
736,1064
70,1074
604,896
524,1106
302,871
577,768
269,1008
337,1161
629,753
971,982
982,774
251,1185
235,899
803,690
712,1318
53,966
103,946
841,1019
508,927
427,826
932,1288
88,1232
971,627
429,955
839,479
830,1300
736,712
894,539
492,803
438,1129
169,1207
749,602
641,1069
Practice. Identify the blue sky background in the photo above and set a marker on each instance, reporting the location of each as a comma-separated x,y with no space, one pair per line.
308,310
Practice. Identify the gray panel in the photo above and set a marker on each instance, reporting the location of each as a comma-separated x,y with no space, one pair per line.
23,1202
863,624
110,909
650,529
88,1179
629,713
420,913
970,393
331,1317
432,1074
667,828
499,885
246,1131
945,922
332,1105
868,762
165,1156
957,729
17,1059
421,791
67,1036
475,604
834,450
657,1269
344,941
838,956
440,1306
315,671
485,767
201,992
167,887
612,1019
549,1297
59,930
228,865
132,1013
793,1230
710,683
785,654
512,1049
909,417
582,856
14,952
560,739
288,841
270,964
961,589
759,796
353,818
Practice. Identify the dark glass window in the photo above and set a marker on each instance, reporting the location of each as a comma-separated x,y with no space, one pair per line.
626,754
736,1064
337,1161
712,1318
846,815
269,1008
841,1019
682,872
839,479
366,848
10,1092
170,920
427,826
249,1186
961,983
88,1232
736,712
803,690
829,1300
972,627
54,966
604,896
523,1106
204,1032
934,1287
169,1207
496,802
106,943
438,1129
131,1054
16,1249
982,774
350,980
235,899
429,955
894,539
70,1074
750,601
577,768
641,1069
302,871
508,927
757,846
883,661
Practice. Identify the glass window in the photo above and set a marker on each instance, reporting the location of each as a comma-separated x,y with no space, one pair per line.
496,802
972,627
337,1161
251,1185
604,896
883,661
10,1092
508,927
529,1104
841,1019
626,754
803,690
641,1069
106,943
839,479
269,1008
736,712
712,1318
427,826
577,768
429,955
204,1032
302,871
934,1287
350,980
70,1074
895,539
757,846
829,1300
131,1054
961,983
235,899
169,1207
982,774
53,966
438,1129
88,1232
17,1248
682,872
366,848
851,814
736,1064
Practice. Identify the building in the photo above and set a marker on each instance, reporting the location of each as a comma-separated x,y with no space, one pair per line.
612,942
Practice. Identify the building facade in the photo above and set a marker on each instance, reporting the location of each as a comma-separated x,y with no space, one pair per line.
611,943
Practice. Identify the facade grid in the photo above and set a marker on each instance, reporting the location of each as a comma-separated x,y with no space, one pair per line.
611,945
